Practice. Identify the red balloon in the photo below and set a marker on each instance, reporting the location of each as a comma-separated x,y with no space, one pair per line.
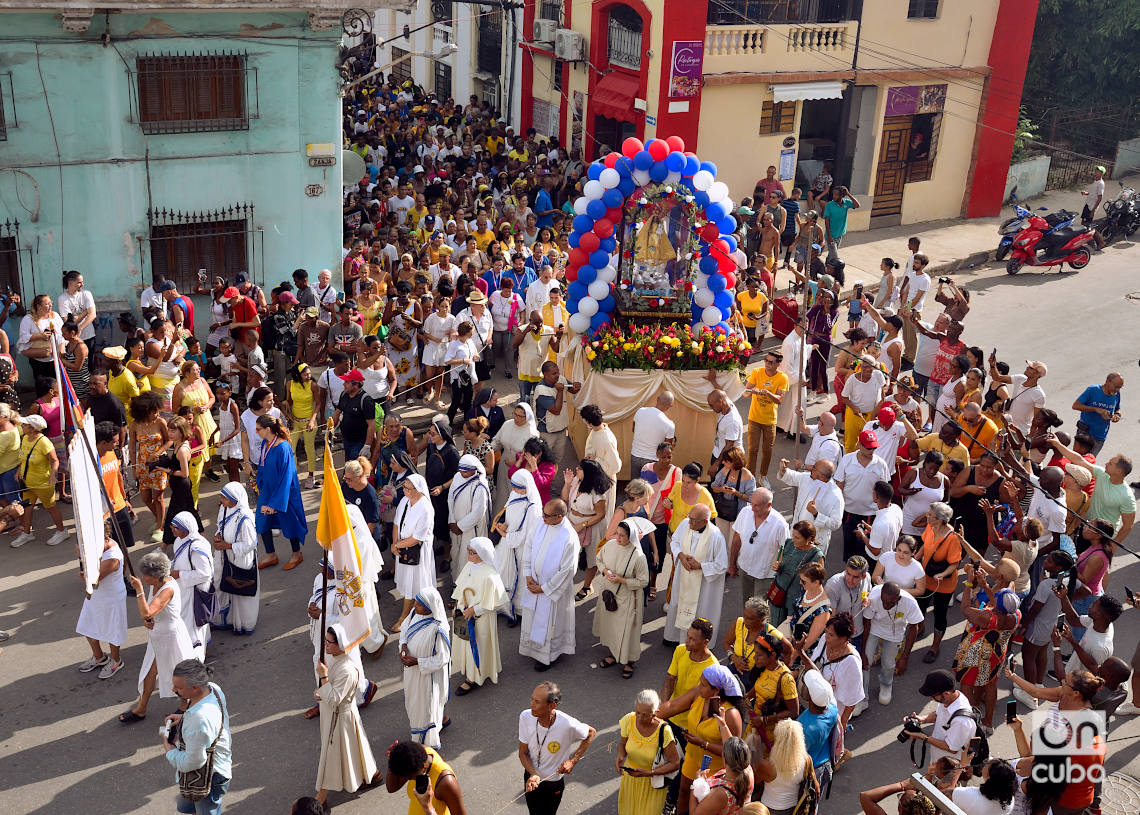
579,256
589,242
710,232
676,143
613,215
603,229
719,248
631,147
730,280
572,273
611,159
726,264
658,149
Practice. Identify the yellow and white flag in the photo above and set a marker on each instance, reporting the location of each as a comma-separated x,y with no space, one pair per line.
334,534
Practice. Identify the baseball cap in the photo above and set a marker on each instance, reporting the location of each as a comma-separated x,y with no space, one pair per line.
261,371
353,376
230,293
287,297
417,169
868,439
886,414
312,311
1102,168
939,681
818,688
241,279
35,420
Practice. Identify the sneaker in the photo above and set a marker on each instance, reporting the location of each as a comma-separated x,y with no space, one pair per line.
1028,700
765,483
156,536
885,695
1128,709
859,708
58,538
110,669
91,663
21,539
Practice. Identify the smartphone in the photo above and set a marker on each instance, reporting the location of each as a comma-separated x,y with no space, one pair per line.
1060,622
1128,593
626,768
1010,711
858,290
422,784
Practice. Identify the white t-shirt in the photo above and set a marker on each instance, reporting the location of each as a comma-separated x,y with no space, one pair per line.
1098,645
249,425
827,447
864,396
885,530
401,206
500,308
331,384
926,351
889,440
1050,511
920,285
77,304
1096,194
549,747
461,349
971,801
538,294
729,427
845,676
890,623
956,733
905,577
859,482
758,553
650,428
1024,401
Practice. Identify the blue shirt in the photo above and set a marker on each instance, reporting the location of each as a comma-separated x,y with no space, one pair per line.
793,209
1094,396
199,728
817,732
542,203
836,214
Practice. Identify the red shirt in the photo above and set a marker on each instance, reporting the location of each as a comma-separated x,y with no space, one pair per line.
244,311
1061,461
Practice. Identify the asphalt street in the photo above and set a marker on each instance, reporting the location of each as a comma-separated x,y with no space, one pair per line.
63,751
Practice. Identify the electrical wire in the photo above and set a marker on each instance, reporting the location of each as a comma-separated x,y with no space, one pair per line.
58,159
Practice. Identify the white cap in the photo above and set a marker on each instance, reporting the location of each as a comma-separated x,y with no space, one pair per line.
417,169
818,688
35,420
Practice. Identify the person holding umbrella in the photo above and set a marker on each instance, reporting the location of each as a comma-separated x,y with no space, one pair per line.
479,592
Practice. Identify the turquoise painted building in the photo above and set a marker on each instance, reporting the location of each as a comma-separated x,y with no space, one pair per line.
168,136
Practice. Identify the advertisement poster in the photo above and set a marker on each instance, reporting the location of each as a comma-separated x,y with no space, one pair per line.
787,165
685,73
907,100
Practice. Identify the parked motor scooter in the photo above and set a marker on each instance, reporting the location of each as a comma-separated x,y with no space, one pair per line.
1040,244
1010,228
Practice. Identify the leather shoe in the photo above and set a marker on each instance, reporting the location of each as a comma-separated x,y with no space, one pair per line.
270,560
294,561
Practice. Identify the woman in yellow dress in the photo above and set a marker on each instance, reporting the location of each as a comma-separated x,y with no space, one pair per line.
686,494
194,391
140,366
644,787
370,307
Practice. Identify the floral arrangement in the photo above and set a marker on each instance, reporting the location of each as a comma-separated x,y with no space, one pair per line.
675,347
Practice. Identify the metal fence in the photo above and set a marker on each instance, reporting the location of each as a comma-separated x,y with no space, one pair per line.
1078,139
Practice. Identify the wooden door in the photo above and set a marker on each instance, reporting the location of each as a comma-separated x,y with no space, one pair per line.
890,177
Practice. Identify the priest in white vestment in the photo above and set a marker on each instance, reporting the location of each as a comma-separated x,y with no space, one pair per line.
549,560
697,586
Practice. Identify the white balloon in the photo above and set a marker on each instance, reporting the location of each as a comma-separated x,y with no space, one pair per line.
641,177
599,289
580,205
579,323
728,202
718,191
673,178
703,297
610,178
703,180
606,275
710,316
593,190
589,307
702,281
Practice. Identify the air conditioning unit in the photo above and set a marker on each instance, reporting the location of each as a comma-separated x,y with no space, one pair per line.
544,30
569,45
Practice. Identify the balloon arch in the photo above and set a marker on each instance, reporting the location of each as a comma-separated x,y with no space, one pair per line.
672,220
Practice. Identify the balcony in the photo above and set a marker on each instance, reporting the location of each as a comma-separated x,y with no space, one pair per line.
779,48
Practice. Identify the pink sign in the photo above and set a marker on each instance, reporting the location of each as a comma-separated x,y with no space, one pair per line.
685,74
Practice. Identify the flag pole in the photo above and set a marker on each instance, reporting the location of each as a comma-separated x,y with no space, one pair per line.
327,561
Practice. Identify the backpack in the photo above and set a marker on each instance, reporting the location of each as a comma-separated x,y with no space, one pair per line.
978,748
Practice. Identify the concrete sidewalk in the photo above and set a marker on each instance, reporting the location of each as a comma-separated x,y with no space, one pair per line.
954,244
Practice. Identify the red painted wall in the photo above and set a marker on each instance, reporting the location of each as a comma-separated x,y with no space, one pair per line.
599,24
526,74
682,20
1009,57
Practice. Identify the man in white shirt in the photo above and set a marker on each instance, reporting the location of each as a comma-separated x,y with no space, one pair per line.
954,724
326,297
538,292
547,751
818,498
1048,506
825,443
891,620
857,475
1026,396
912,296
880,536
651,426
757,536
890,428
151,297
863,392
729,425
1096,645
1094,195
402,202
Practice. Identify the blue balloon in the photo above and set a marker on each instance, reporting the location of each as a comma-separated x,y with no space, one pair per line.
598,259
717,282
595,170
723,300
692,165
725,313
627,186
731,241
714,211
611,199
596,209
599,321
577,290
573,239
701,197
675,162
586,275
642,161
624,166
658,171
708,264
727,225
606,304
708,165
582,223
608,245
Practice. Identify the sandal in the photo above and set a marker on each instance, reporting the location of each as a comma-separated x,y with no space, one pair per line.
652,593
930,656
130,717
608,662
627,670
313,712
465,689
583,593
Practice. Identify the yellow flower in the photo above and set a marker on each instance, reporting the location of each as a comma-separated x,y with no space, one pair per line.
590,355
680,353
696,347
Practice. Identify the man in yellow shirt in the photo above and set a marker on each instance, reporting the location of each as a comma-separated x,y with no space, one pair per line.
37,470
753,305
977,425
947,443
483,234
768,386
689,661
416,214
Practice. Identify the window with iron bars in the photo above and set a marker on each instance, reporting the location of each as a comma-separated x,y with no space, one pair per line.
922,9
490,54
192,93
623,42
741,12
550,10
402,70
10,257
556,75
215,240
442,80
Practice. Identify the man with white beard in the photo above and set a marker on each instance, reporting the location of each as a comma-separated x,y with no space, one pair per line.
549,560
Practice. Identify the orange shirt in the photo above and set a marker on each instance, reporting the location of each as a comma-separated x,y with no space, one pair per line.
947,548
109,463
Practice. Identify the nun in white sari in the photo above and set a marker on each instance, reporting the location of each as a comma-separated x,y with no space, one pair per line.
468,506
235,542
478,594
425,651
546,569
413,527
370,565
192,567
346,761
522,513
514,433
624,572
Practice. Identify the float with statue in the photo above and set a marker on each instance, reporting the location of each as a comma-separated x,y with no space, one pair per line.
651,282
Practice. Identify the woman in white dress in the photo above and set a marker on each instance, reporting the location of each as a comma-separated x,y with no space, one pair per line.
468,506
509,441
235,542
413,532
624,571
193,567
168,641
425,651
521,515
921,487
478,593
438,330
103,617
370,565
900,567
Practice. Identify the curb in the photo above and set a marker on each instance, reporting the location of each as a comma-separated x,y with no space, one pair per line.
975,259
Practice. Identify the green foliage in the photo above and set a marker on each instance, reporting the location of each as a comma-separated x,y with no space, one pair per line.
1026,132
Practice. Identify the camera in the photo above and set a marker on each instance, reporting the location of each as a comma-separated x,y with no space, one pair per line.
911,724
169,731
945,279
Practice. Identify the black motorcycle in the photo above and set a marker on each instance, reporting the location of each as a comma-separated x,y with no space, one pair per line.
1121,218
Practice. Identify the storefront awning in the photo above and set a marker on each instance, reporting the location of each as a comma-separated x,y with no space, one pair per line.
807,90
613,96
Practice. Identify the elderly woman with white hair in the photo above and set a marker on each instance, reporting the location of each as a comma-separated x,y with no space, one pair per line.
521,515
478,593
235,562
644,737
168,641
412,536
941,553
468,506
193,567
425,651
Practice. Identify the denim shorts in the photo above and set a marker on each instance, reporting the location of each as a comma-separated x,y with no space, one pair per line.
9,486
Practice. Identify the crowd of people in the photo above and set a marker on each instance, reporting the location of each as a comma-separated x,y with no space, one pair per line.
950,485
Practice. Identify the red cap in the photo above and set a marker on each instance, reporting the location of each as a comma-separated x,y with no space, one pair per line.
868,439
230,293
353,376
886,414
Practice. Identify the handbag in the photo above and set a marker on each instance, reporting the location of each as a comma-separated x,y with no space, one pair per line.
409,556
935,566
660,760
236,580
399,340
195,785
808,792
727,506
777,594
206,601
609,599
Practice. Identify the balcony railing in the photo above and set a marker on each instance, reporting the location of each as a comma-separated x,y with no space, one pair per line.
779,48
817,38
724,40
